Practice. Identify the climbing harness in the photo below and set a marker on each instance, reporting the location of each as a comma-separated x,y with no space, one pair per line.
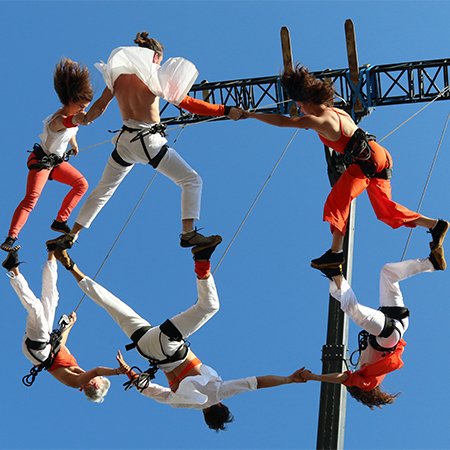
391,314
47,162
55,346
171,331
141,133
358,151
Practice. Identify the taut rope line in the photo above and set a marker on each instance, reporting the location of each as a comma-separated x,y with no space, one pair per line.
428,180
126,223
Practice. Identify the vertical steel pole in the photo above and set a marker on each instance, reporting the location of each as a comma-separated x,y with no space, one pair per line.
333,397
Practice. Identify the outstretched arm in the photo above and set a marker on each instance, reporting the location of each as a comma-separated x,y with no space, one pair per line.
99,107
279,120
65,333
339,377
274,380
202,108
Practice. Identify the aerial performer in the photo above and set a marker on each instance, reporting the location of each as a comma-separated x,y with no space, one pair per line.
133,76
381,342
369,164
48,161
38,345
192,383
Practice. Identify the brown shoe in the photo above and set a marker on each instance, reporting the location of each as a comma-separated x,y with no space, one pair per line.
438,233
437,257
194,238
63,257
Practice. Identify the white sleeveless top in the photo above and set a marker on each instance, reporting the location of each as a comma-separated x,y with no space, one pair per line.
56,142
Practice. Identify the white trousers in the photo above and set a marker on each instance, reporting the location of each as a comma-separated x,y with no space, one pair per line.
172,166
41,313
187,322
370,319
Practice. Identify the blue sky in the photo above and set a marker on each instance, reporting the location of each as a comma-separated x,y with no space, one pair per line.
274,306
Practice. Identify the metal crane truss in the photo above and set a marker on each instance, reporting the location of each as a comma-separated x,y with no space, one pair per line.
381,85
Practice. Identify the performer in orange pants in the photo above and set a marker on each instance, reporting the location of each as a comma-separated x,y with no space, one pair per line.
369,164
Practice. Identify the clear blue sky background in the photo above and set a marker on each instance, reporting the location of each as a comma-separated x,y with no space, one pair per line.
274,306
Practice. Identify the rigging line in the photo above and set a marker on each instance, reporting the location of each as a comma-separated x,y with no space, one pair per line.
185,125
428,180
126,223
212,119
253,204
415,114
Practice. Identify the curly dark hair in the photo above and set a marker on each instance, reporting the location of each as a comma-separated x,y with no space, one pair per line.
143,40
303,87
72,82
217,416
374,398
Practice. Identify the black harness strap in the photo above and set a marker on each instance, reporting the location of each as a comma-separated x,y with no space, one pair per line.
391,313
171,331
358,151
48,162
141,133
55,343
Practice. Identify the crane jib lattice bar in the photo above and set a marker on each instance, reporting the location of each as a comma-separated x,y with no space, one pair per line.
381,85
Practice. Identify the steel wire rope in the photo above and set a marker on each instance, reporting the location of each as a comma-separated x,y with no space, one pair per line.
126,223
254,202
427,182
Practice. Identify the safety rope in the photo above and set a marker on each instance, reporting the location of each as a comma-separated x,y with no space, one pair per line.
235,235
127,222
442,92
189,124
428,180
254,202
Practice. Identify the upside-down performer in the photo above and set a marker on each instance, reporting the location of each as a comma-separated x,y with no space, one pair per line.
381,343
39,344
48,161
133,76
192,383
369,164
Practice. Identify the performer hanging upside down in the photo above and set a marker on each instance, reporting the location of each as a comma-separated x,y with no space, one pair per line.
192,384
48,161
37,346
381,342
133,75
370,165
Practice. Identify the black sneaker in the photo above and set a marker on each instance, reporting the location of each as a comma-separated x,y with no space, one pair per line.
437,257
8,245
60,227
203,253
194,238
53,244
63,257
328,259
438,233
12,259
330,272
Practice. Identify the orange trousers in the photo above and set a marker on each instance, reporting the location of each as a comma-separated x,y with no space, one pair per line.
64,173
352,183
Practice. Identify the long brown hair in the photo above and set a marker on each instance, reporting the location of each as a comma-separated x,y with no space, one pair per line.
301,86
143,40
374,398
72,82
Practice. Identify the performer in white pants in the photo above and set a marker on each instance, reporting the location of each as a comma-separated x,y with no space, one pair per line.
36,342
192,384
381,344
133,76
